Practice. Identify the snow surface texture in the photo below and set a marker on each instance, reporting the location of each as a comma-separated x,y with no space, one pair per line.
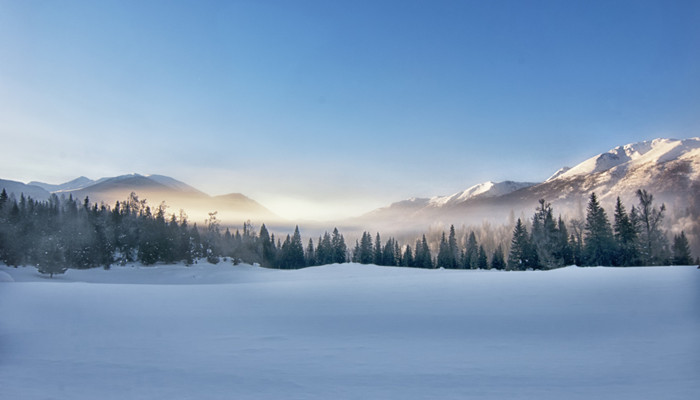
350,332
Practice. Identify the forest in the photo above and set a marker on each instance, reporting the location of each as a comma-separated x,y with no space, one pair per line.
63,233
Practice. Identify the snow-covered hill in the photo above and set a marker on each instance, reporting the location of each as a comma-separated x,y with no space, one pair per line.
483,191
350,332
636,155
667,168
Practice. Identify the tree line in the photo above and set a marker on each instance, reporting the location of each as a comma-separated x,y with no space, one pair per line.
633,238
63,233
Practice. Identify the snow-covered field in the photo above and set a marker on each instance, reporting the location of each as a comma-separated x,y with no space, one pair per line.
350,332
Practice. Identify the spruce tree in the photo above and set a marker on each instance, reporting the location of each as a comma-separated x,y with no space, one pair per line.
340,250
519,257
599,244
296,250
266,247
377,255
497,260
681,250
482,261
407,259
444,259
625,234
310,254
471,253
454,249
366,255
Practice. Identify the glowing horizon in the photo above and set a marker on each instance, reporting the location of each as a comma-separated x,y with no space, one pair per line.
326,110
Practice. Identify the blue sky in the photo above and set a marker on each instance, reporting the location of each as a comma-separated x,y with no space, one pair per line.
323,109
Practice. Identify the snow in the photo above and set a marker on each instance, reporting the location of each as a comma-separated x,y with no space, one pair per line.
350,332
634,155
483,190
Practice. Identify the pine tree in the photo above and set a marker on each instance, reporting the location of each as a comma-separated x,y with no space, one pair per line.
519,257
625,234
498,260
310,254
389,256
366,255
482,262
423,258
599,244
266,247
296,250
454,250
564,252
377,256
681,250
471,254
407,259
340,250
444,258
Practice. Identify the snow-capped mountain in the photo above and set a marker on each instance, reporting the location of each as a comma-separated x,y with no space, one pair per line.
667,168
483,190
635,155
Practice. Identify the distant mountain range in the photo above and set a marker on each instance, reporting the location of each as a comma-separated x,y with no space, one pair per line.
667,168
231,208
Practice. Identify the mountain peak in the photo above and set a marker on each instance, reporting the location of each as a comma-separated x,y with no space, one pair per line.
482,190
632,154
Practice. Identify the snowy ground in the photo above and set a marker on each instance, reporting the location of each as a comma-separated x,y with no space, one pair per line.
350,332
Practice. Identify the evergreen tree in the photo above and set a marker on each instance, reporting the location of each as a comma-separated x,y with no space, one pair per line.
564,251
356,252
423,258
544,236
681,250
296,250
52,260
340,250
389,256
498,260
471,253
520,253
444,258
454,249
324,250
599,244
266,247
310,254
377,256
625,234
407,259
482,262
366,255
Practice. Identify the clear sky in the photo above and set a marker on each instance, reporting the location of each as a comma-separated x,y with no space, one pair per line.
322,109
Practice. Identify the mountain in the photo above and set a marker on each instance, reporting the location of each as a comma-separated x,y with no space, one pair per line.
231,208
18,188
667,168
483,190
77,183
